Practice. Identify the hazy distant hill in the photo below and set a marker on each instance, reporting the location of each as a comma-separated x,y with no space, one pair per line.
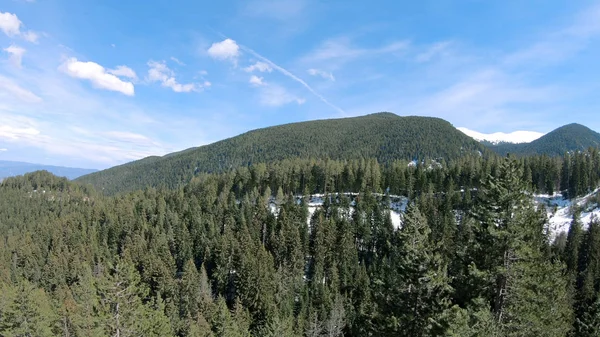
15,168
571,137
384,136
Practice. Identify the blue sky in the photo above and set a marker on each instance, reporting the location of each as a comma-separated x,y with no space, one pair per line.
99,83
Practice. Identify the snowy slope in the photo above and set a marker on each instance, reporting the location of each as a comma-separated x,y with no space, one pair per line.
498,137
560,210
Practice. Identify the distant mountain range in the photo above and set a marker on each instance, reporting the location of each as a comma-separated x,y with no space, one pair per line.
571,137
384,136
14,168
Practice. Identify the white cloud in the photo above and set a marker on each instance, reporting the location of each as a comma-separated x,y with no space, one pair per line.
3,149
12,89
11,26
95,73
227,49
16,55
256,81
176,60
159,72
260,66
324,74
123,71
15,133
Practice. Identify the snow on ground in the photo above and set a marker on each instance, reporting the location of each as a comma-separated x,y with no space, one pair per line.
560,210
397,206
513,137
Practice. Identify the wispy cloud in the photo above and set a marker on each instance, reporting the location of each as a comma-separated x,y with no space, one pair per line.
560,44
274,95
159,72
342,50
433,50
11,89
16,55
321,73
491,90
14,133
259,66
176,60
290,75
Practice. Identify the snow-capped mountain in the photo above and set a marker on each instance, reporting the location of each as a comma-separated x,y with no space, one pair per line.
515,137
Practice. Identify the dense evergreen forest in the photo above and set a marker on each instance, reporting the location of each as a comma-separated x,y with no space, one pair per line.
568,138
236,253
384,136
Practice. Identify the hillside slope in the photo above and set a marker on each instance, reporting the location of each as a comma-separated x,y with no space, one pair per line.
571,137
384,136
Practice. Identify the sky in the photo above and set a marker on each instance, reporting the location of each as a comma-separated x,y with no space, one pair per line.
98,83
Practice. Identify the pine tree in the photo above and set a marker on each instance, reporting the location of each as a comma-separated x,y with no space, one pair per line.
126,315
574,238
514,259
415,288
26,311
588,282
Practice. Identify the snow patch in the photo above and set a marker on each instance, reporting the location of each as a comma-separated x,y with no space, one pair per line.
397,205
560,210
515,137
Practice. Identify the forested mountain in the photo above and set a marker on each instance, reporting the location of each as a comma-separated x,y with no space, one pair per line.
14,168
236,254
384,136
568,138
242,251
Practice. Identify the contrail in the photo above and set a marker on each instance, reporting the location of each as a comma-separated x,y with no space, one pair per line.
292,76
284,72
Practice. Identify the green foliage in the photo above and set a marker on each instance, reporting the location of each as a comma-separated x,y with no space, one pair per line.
25,310
236,254
384,136
568,138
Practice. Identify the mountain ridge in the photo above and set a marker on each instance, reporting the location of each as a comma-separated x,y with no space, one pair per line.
384,136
